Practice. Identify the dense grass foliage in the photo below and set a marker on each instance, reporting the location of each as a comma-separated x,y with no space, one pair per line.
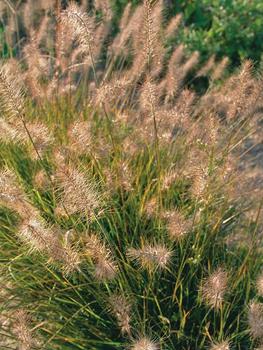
126,219
165,303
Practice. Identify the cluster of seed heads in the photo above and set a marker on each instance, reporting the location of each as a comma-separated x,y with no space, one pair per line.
150,93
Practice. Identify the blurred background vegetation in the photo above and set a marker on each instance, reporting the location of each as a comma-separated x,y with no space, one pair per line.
232,28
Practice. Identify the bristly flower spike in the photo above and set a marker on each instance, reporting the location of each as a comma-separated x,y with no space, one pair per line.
82,28
121,309
151,256
149,35
144,343
214,288
80,24
260,284
43,239
11,94
80,194
105,267
255,320
224,345
22,331
177,225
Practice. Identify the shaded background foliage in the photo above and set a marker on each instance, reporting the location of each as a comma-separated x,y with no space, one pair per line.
232,28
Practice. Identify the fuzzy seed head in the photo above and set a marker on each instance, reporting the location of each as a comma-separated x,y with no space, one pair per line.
110,93
224,345
169,179
80,194
173,25
21,330
95,247
12,131
144,344
70,259
151,207
212,129
128,27
80,25
255,319
125,17
121,309
220,69
46,240
41,136
41,179
105,268
149,97
37,64
11,94
207,67
13,195
151,256
10,190
104,265
38,236
260,284
214,288
173,75
149,34
121,176
199,181
80,136
178,226
190,63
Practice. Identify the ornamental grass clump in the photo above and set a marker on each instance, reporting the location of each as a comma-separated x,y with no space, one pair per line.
130,202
